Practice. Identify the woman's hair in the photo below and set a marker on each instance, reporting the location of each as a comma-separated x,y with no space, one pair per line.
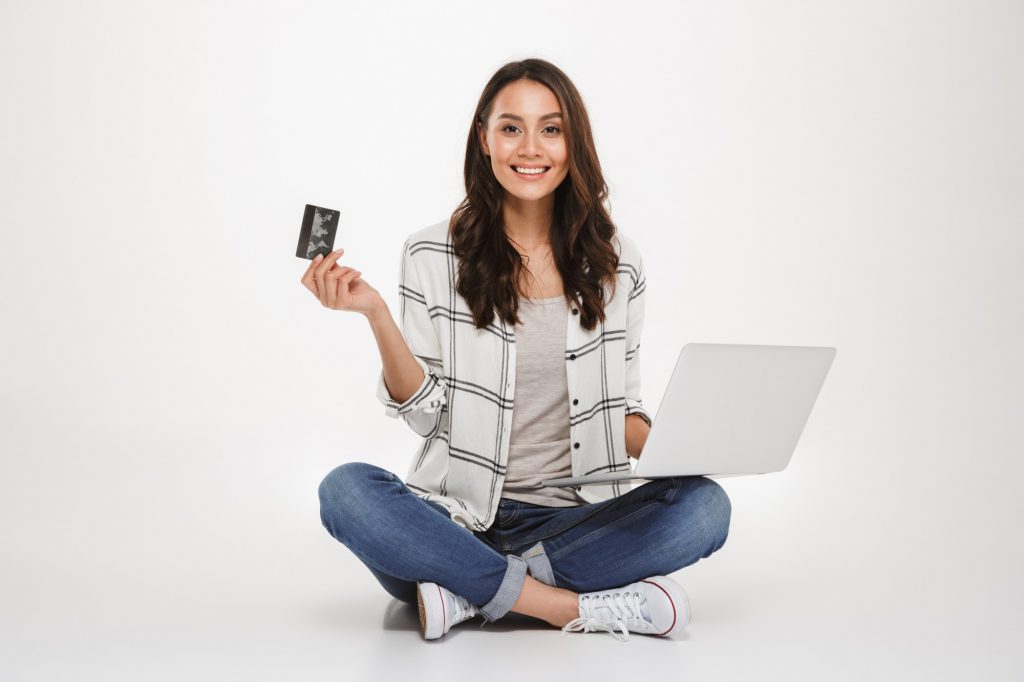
581,231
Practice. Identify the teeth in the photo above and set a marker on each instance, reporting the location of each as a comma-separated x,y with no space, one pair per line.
529,171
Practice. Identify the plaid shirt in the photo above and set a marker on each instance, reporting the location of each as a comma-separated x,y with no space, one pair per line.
463,409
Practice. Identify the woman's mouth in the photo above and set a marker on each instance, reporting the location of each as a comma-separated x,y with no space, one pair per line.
531,173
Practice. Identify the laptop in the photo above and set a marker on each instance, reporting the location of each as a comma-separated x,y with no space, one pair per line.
729,410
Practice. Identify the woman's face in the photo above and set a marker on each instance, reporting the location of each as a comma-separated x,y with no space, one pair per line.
524,132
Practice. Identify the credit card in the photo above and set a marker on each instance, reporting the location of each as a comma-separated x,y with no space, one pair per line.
319,227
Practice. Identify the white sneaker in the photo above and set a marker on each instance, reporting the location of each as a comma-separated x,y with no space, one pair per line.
654,606
440,609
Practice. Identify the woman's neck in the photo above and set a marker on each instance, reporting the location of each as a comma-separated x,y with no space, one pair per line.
528,223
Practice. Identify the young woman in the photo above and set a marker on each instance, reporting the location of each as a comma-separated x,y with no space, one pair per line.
518,361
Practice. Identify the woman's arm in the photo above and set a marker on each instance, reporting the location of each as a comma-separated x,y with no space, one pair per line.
411,384
637,431
638,420
402,374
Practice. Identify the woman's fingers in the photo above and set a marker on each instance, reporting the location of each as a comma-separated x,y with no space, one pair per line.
331,285
328,262
331,282
337,287
308,280
344,297
309,277
320,272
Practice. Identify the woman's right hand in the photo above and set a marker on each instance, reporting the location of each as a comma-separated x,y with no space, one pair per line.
340,288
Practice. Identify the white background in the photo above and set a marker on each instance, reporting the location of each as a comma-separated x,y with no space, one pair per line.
811,173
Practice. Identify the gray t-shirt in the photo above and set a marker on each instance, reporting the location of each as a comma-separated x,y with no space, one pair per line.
540,445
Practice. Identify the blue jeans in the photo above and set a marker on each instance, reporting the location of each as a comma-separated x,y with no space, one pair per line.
654,529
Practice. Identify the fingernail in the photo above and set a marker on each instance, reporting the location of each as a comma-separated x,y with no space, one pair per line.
318,258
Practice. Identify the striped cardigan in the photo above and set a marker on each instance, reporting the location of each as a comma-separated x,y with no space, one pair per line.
463,409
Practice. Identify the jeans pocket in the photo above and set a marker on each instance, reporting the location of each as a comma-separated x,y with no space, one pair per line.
507,515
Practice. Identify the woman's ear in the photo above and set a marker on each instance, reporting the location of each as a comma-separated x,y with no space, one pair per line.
483,138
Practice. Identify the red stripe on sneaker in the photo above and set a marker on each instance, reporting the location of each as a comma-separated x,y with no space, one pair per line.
669,601
443,619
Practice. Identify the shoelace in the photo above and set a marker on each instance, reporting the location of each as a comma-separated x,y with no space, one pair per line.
462,609
624,611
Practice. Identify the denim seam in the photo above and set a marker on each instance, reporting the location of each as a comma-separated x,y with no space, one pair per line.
599,531
676,486
531,541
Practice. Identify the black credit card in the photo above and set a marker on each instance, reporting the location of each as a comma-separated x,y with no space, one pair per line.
319,227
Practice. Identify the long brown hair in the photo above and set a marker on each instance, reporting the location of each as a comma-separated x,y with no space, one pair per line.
581,230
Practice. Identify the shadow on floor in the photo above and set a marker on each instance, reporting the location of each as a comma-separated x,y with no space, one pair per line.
399,615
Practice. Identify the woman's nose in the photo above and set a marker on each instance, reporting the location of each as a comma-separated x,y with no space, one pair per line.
529,146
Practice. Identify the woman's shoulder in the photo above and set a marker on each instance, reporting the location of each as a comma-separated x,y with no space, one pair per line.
428,251
628,250
432,237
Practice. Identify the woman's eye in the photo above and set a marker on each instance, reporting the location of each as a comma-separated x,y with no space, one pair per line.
554,128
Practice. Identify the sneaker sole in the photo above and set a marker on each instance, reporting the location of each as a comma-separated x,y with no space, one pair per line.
423,615
429,595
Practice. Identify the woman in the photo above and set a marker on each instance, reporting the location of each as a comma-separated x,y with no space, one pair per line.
527,297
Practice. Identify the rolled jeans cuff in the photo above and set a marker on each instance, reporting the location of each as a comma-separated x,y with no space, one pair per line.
508,592
537,561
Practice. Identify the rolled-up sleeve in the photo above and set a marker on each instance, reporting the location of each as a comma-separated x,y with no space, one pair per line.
422,410
634,330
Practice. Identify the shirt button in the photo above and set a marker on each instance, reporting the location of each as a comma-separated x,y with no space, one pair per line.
575,445
575,401
572,357
575,312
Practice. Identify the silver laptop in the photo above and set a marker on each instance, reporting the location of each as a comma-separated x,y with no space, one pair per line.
729,410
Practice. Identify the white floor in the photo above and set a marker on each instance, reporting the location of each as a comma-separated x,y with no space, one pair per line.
795,594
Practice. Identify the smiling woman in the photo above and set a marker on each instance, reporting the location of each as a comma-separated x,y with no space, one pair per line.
530,132
518,362
526,93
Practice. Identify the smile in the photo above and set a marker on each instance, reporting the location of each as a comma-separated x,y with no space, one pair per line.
531,171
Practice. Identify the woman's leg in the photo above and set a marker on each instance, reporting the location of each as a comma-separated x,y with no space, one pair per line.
404,539
402,590
654,529
555,605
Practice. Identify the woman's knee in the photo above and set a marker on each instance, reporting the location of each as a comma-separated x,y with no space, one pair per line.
344,477
344,493
706,500
717,511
